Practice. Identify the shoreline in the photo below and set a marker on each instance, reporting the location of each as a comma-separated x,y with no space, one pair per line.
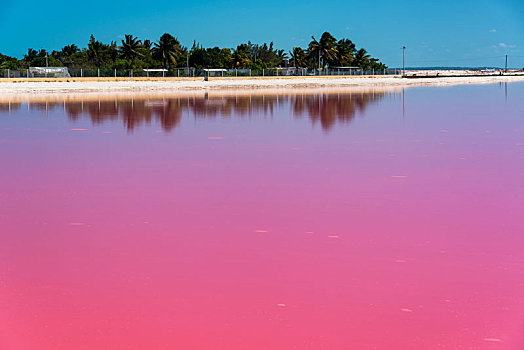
21,89
189,94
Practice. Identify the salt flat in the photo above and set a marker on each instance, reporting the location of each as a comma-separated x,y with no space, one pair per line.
111,85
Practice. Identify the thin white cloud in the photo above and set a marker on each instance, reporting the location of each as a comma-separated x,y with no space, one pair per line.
492,30
503,45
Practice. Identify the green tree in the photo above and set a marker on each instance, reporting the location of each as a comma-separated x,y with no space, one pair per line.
7,62
240,57
361,59
298,57
31,54
66,55
146,46
324,50
166,50
99,54
70,50
130,49
345,52
281,56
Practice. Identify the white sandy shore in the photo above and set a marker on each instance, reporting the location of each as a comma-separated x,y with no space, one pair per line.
30,88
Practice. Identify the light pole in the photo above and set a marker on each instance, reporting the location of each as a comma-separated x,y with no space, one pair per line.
403,61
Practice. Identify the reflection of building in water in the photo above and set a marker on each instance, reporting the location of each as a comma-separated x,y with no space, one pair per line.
326,108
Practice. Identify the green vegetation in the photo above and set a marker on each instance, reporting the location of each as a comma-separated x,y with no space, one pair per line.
167,52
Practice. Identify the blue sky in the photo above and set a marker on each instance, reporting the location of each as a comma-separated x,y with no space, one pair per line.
436,33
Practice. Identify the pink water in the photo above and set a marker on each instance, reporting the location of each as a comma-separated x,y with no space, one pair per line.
336,221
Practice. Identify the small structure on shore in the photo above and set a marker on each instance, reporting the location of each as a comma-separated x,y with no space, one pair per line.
156,70
49,72
215,72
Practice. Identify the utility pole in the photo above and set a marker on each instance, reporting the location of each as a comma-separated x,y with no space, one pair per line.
403,61
506,66
46,63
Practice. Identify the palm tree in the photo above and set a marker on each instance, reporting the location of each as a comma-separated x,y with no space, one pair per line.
146,48
64,55
281,55
94,50
69,50
130,48
298,56
323,49
166,50
240,57
31,54
361,58
146,45
346,52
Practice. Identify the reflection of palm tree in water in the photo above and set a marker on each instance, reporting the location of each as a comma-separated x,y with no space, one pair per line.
132,112
330,108
326,108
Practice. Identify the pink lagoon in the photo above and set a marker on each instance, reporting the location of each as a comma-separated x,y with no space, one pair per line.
384,219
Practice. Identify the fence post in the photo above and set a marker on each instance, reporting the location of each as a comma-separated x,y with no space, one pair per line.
8,73
98,72
236,72
163,73
81,72
147,73
115,72
178,73
249,71
131,73
262,71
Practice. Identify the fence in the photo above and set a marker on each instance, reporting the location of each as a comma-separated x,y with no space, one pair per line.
193,72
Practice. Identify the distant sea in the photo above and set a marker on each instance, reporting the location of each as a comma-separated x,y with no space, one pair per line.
454,68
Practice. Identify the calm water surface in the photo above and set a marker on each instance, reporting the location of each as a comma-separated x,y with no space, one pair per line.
381,220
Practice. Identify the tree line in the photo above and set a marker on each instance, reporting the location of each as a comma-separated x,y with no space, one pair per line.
168,53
